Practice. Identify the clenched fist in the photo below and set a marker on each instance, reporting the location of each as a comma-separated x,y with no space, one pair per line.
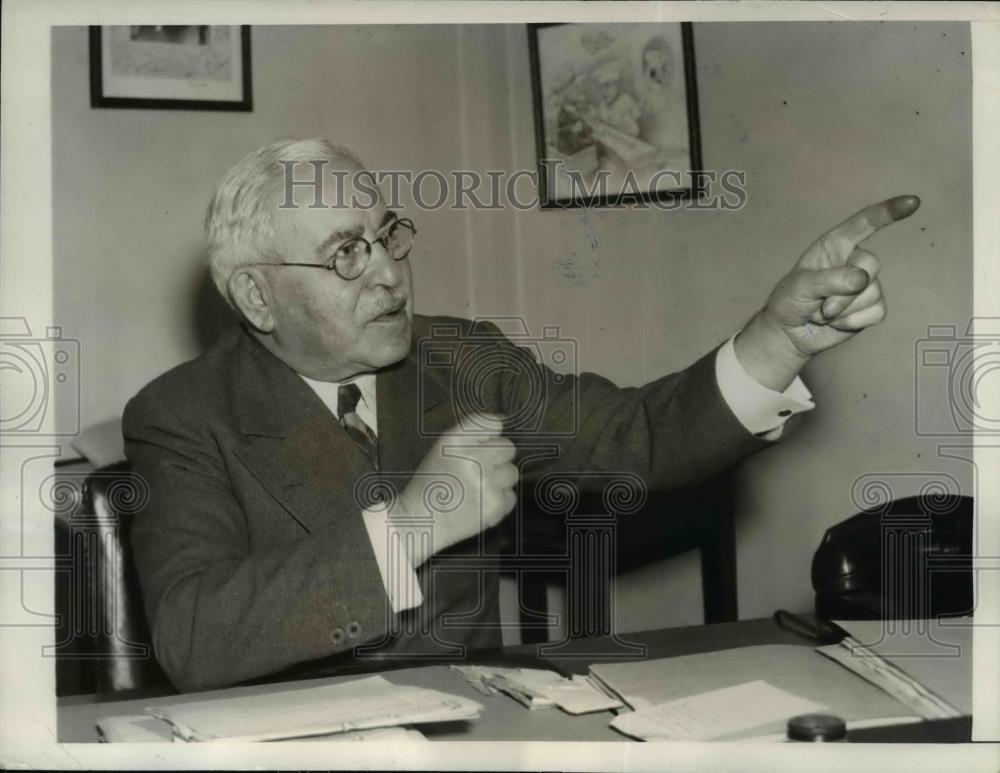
465,483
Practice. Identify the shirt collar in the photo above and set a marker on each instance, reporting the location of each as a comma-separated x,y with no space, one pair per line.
327,391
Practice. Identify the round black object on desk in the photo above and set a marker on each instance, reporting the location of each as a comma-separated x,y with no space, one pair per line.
816,727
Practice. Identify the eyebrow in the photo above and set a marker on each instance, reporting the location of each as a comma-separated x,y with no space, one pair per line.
340,235
351,232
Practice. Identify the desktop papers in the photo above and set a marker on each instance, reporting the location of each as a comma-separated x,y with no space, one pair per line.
579,695
539,688
378,734
795,669
524,685
142,728
936,653
308,711
926,665
714,714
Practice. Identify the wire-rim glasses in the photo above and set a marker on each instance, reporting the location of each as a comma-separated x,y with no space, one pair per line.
351,258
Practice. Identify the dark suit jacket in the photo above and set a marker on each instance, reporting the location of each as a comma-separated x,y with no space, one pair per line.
252,553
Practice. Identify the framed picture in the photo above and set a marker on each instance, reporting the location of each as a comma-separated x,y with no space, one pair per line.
190,67
616,112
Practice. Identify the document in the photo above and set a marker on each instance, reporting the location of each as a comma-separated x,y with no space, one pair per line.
796,669
579,696
379,734
138,728
887,674
540,688
308,711
714,714
142,728
525,685
935,655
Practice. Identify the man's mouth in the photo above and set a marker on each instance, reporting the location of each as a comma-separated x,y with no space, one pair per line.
393,313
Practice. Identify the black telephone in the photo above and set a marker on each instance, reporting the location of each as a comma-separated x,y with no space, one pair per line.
911,558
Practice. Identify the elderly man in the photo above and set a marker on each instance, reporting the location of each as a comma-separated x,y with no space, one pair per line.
263,545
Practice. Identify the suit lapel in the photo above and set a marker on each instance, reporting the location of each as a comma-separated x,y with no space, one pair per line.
292,443
299,452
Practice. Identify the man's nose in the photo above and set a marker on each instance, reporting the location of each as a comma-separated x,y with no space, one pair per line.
382,269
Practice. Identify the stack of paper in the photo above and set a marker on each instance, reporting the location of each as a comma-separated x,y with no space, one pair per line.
925,665
525,685
142,728
540,688
796,671
714,714
581,695
378,735
310,711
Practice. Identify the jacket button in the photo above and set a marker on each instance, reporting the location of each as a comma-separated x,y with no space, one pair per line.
353,630
337,635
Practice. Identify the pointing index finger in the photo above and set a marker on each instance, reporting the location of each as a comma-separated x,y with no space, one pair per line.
870,220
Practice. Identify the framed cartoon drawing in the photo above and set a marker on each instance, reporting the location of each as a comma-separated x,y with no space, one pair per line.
616,112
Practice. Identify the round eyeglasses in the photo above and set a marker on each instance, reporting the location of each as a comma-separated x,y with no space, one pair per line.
351,258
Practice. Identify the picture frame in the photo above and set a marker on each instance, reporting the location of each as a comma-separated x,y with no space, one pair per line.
189,67
616,113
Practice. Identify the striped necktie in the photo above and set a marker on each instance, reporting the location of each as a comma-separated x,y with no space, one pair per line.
348,396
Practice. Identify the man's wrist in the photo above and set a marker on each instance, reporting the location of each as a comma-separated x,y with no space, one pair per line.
395,557
767,354
417,550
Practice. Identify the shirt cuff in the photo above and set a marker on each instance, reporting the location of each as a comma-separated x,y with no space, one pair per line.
761,410
388,543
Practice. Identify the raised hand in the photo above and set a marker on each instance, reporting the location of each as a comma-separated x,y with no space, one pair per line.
831,294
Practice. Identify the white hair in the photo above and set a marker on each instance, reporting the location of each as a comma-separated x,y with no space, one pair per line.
238,226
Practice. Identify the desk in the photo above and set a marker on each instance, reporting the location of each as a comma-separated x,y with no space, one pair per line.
503,719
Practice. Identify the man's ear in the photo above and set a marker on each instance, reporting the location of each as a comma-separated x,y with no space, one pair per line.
251,295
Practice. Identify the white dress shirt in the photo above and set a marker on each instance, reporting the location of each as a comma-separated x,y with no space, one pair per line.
761,410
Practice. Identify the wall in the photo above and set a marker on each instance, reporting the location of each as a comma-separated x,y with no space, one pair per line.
131,186
823,117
